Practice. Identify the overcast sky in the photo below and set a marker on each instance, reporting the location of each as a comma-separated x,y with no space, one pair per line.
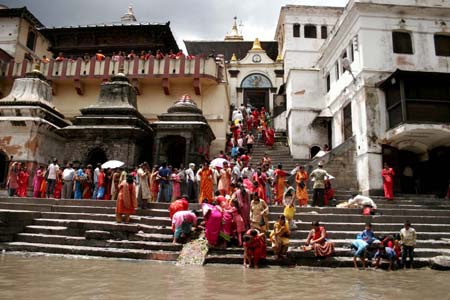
190,20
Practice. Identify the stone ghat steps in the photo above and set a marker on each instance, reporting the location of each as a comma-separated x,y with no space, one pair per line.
165,245
91,251
328,262
351,234
295,252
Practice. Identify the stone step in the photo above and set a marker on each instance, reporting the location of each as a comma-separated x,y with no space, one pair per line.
347,234
335,226
91,251
295,252
433,244
355,211
359,218
329,262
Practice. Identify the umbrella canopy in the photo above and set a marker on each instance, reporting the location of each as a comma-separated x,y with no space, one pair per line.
112,164
218,162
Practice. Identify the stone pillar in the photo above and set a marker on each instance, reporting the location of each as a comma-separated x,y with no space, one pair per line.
188,150
157,146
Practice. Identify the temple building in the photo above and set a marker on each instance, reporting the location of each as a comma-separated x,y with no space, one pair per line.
82,96
372,81
369,80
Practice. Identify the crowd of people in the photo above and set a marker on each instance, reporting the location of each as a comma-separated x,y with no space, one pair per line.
122,55
394,249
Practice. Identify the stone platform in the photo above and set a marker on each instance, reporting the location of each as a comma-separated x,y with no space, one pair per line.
88,227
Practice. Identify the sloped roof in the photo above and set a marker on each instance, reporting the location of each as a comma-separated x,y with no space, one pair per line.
227,48
21,12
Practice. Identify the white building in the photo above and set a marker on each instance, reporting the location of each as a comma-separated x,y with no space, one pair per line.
373,81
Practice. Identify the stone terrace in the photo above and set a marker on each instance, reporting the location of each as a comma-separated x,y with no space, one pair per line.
85,227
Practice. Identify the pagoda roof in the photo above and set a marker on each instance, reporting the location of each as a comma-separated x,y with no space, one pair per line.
227,48
21,12
102,25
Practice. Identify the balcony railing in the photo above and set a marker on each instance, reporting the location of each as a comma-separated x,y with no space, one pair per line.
135,69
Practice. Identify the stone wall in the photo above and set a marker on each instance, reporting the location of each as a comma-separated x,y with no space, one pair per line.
341,163
13,222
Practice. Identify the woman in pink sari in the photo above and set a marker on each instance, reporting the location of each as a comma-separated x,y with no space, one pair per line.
243,198
37,182
23,182
175,178
213,222
388,181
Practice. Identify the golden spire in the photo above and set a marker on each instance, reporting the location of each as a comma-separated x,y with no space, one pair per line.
37,66
279,58
234,35
256,45
233,57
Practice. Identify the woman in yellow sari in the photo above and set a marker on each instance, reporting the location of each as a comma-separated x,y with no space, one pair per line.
280,237
301,178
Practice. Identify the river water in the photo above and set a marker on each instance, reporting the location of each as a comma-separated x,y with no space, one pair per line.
69,278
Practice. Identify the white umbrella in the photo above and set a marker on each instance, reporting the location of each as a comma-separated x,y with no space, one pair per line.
112,164
218,162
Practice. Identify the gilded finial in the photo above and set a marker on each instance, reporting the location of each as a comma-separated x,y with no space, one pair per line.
279,58
233,57
256,45
37,66
121,69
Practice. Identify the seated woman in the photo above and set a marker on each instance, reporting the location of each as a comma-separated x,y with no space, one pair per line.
317,241
183,221
280,237
254,247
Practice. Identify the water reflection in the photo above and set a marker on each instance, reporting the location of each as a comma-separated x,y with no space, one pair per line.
61,277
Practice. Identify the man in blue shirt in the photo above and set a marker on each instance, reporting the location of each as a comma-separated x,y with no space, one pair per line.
385,253
359,250
164,184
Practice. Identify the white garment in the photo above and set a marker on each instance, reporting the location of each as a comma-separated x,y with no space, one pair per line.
237,115
52,170
247,172
68,174
190,175
96,171
361,201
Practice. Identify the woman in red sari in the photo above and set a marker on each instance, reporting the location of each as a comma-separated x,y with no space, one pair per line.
255,247
126,200
37,182
280,178
269,137
317,241
23,182
58,185
388,181
87,191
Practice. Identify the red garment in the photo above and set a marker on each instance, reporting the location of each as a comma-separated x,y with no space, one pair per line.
388,182
270,137
58,189
99,57
318,233
101,179
23,184
178,205
256,248
329,193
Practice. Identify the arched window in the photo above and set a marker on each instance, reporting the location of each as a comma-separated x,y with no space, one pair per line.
310,31
256,81
296,30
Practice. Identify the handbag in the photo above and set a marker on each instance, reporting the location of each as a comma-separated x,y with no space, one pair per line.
302,184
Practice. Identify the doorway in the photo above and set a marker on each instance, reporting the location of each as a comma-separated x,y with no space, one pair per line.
257,98
96,156
4,162
173,150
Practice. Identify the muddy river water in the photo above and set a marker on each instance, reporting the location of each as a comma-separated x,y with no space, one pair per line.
61,277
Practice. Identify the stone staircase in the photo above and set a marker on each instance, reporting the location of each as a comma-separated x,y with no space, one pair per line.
279,154
85,227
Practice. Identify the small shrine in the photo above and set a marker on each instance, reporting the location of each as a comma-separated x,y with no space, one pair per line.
112,128
182,135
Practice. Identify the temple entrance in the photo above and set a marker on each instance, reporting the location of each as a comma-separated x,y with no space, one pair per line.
256,89
314,150
257,98
173,150
4,162
424,173
96,156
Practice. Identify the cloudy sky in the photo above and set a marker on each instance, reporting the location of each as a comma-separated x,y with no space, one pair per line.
190,20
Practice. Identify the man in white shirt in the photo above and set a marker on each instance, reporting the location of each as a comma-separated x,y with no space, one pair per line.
190,181
96,171
408,241
52,172
68,176
248,171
